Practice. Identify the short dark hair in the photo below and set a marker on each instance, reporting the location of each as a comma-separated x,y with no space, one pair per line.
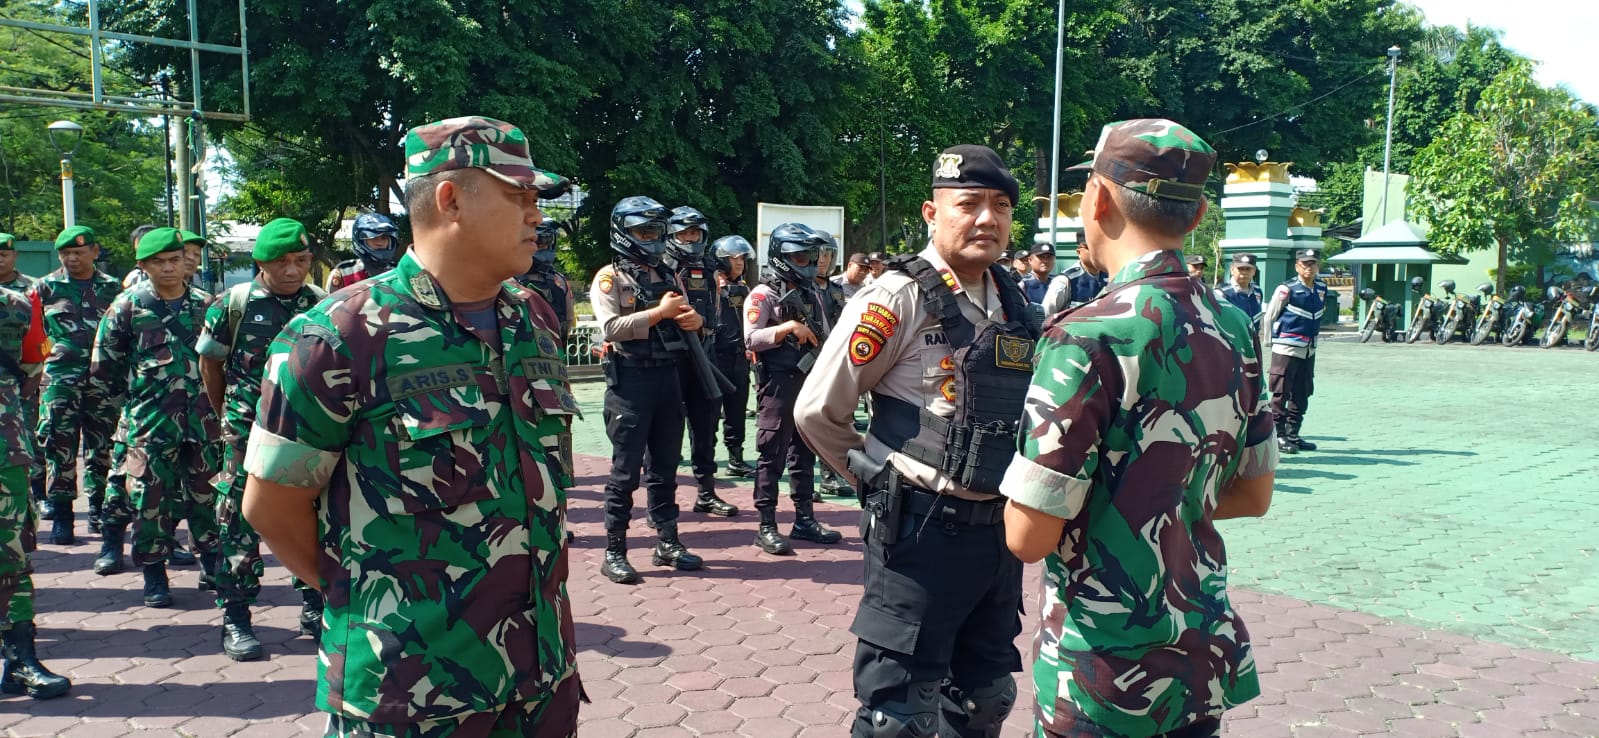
138,233
1162,215
419,193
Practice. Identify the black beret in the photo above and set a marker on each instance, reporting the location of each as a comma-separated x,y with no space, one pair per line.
970,165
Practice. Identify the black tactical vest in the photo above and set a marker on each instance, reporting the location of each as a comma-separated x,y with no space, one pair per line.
786,356
993,367
698,278
729,324
554,288
654,349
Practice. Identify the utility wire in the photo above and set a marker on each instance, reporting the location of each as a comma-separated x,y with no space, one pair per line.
1300,106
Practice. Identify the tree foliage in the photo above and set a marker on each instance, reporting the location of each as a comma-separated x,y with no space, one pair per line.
1516,173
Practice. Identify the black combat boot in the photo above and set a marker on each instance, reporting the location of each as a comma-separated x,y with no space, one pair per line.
311,613
671,552
768,539
238,637
23,672
736,465
61,525
808,528
1285,443
616,567
96,507
180,556
208,571
708,502
157,591
1302,444
110,559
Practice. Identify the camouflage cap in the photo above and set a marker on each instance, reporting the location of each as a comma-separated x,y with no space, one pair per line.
496,147
8,242
191,237
279,238
158,241
77,236
1155,156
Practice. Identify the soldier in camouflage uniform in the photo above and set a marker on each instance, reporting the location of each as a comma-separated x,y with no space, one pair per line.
22,349
239,328
1146,421
74,298
145,360
404,460
12,279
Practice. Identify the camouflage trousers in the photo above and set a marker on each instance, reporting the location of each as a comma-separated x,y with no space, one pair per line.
18,538
116,510
165,484
239,577
554,717
70,413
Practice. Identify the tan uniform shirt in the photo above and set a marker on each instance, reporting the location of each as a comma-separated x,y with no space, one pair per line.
887,342
616,306
761,322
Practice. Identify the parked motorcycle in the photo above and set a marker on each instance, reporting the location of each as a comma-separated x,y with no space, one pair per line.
1591,343
1524,316
1491,319
1381,317
1460,310
1566,306
1428,310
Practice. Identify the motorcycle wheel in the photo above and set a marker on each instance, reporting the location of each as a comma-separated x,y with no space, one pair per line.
1555,334
1414,334
1592,342
1513,335
1480,333
1446,332
1368,328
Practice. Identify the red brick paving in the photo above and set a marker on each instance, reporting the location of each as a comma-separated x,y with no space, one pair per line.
752,646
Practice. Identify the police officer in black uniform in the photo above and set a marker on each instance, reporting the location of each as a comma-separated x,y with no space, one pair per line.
1240,289
942,343
685,257
732,255
784,325
549,282
644,320
1291,325
833,305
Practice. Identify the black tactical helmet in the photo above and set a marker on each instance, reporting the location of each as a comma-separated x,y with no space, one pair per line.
1368,294
1418,284
727,247
1486,288
375,225
1554,293
793,242
1517,292
649,218
544,258
831,248
1447,285
682,219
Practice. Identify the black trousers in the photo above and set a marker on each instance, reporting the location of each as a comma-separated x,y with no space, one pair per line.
644,419
1291,381
730,360
941,603
701,414
779,445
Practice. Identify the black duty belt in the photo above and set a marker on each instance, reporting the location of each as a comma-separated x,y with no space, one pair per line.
921,503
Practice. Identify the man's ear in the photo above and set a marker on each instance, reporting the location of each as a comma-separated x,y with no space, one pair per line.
447,201
929,209
1204,205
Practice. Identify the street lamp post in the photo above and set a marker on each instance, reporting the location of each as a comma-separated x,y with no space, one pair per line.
1388,141
1054,169
65,137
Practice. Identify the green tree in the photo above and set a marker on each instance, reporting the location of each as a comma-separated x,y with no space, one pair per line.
1516,174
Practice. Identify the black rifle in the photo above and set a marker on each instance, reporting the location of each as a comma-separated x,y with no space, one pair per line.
793,304
712,383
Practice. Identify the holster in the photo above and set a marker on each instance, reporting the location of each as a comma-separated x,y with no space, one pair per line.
877,486
609,369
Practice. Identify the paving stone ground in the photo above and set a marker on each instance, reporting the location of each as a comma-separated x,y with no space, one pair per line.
1430,572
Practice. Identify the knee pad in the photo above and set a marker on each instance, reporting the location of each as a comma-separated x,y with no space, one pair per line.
916,717
986,706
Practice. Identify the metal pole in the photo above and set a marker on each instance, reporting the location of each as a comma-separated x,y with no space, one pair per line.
184,176
68,206
1388,143
1054,169
882,173
194,54
166,134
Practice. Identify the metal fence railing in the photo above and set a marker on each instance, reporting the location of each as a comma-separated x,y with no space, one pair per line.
581,345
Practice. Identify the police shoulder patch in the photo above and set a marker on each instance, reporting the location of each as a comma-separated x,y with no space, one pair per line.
604,282
864,345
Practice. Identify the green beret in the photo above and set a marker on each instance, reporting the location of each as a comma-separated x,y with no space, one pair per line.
76,236
191,237
158,241
279,238
8,242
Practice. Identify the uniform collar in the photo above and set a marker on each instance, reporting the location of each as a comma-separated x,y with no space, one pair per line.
409,276
1151,264
259,290
932,257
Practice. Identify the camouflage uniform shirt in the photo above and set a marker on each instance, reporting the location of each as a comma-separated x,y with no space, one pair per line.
1144,404
20,283
145,362
264,316
21,336
442,525
71,316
